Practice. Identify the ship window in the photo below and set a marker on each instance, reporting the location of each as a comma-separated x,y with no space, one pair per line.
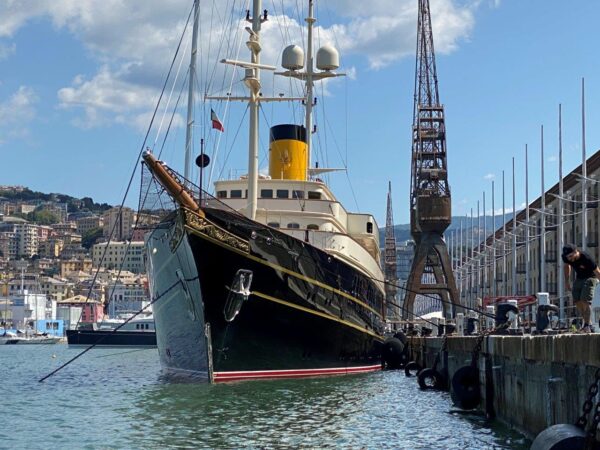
137,326
312,226
266,193
146,326
313,195
273,224
370,227
293,225
221,194
297,194
282,193
236,193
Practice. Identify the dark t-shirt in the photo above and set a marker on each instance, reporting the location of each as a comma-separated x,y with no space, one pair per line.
584,266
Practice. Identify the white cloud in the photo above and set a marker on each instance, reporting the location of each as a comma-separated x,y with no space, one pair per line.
16,113
489,177
7,50
552,158
133,43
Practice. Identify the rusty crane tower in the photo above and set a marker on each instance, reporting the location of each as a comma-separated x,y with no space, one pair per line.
390,262
430,213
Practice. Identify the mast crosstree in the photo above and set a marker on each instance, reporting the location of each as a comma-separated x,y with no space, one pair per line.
430,202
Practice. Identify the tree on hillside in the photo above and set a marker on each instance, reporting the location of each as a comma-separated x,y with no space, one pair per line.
89,238
43,217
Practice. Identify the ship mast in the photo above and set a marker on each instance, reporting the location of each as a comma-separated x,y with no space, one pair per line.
252,81
310,20
327,60
190,108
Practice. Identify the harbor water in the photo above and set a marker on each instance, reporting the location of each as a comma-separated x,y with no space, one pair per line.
117,398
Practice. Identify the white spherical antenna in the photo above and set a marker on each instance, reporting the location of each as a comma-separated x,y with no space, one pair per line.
328,58
292,58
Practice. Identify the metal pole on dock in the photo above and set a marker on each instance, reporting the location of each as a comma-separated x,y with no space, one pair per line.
479,277
504,274
543,223
583,172
462,269
471,262
514,229
527,258
560,237
495,285
485,259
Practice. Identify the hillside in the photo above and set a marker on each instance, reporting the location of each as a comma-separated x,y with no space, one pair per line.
402,231
9,194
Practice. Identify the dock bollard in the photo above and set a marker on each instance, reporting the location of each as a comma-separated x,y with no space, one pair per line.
544,309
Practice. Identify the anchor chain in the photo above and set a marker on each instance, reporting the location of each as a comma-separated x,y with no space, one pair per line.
588,404
592,432
481,337
477,348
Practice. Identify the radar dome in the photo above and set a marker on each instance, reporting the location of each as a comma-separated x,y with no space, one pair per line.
292,58
328,58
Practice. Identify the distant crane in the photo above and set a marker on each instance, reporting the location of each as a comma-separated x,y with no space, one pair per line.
430,206
390,262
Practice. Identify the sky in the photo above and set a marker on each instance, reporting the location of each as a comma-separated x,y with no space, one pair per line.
79,82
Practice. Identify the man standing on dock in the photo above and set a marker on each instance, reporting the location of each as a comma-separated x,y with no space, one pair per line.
588,275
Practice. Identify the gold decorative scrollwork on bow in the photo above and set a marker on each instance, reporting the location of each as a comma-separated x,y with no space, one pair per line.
209,229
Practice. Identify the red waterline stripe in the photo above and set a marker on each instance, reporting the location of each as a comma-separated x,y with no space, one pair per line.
299,373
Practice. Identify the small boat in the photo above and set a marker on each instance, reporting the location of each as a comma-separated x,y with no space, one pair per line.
10,338
115,333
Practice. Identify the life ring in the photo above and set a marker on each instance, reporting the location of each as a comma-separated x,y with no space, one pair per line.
562,436
430,379
412,369
465,391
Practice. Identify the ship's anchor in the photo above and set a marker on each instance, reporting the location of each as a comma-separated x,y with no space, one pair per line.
238,294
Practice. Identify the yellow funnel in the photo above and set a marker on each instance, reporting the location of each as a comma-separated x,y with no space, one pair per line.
288,158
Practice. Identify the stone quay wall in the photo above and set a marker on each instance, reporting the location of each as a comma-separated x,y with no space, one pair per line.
528,382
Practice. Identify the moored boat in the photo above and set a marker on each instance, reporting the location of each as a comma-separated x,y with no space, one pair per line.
273,277
135,333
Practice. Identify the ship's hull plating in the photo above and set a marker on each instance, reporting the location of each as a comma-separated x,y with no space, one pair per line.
303,317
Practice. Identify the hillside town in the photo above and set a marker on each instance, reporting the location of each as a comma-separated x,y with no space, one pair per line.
66,261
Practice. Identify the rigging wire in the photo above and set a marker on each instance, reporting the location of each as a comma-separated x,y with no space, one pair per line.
131,178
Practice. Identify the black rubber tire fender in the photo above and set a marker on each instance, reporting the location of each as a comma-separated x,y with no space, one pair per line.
404,359
391,353
562,436
430,379
412,369
401,337
465,391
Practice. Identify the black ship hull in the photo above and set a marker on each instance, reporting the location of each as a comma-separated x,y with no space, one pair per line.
305,313
108,338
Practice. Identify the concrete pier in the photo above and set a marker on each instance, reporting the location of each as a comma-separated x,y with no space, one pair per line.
528,382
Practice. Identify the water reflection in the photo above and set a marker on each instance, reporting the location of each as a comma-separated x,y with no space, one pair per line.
364,411
125,403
